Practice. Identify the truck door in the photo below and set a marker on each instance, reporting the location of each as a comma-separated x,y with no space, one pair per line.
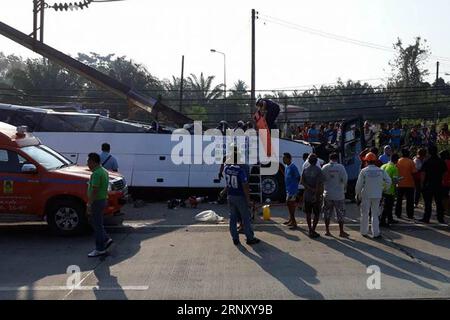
351,145
18,191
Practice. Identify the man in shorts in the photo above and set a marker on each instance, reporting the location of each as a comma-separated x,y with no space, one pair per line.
312,180
335,182
292,178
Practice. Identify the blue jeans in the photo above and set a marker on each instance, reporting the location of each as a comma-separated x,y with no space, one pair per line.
97,208
239,210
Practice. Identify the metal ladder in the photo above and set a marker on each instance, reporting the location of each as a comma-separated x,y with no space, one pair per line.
255,183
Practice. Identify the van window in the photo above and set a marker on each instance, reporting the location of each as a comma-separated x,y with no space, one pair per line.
44,158
11,162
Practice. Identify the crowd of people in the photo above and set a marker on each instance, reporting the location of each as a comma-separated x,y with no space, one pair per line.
383,182
425,174
396,135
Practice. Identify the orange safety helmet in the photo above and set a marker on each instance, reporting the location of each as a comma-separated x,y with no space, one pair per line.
371,157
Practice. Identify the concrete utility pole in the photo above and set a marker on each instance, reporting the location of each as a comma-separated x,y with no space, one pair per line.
436,106
253,97
38,18
181,83
286,117
437,71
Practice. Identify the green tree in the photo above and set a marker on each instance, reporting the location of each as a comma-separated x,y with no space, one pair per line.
43,82
408,65
407,91
125,70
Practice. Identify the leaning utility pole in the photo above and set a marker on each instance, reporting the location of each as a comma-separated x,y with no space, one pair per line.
253,98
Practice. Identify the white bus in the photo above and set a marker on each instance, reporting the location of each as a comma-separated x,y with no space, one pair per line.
144,156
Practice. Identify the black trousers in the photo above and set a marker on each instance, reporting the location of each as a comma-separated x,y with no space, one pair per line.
409,194
387,209
428,195
417,193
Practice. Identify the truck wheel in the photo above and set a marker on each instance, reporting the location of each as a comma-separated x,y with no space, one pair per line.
67,217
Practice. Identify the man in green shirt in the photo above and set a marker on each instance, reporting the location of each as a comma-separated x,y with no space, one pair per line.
97,201
389,195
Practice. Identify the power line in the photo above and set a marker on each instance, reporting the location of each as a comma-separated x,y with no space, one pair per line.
333,36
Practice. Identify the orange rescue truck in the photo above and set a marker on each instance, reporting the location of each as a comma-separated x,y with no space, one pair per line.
36,180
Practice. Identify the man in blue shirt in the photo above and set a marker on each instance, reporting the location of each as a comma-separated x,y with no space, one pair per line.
291,179
396,135
313,134
238,200
107,160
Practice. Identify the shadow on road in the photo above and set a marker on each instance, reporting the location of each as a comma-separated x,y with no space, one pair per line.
36,254
293,273
362,253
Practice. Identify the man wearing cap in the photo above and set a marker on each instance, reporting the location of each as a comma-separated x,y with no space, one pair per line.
372,181
386,156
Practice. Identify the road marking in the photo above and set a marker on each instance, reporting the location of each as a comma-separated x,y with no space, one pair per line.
225,225
74,288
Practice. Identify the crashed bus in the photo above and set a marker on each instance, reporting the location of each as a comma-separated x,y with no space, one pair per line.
145,156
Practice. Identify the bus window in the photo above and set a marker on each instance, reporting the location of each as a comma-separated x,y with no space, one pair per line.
81,123
6,116
53,123
110,125
28,118
67,123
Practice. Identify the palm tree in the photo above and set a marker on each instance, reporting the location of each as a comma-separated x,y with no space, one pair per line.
201,88
239,89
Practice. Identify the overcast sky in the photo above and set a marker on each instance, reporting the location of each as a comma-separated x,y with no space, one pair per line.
158,32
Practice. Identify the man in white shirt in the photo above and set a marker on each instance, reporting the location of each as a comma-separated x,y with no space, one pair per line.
372,181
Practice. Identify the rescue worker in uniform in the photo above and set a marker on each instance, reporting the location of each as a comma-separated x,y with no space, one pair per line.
270,110
372,181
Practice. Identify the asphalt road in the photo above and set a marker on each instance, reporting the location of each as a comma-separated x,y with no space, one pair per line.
164,254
